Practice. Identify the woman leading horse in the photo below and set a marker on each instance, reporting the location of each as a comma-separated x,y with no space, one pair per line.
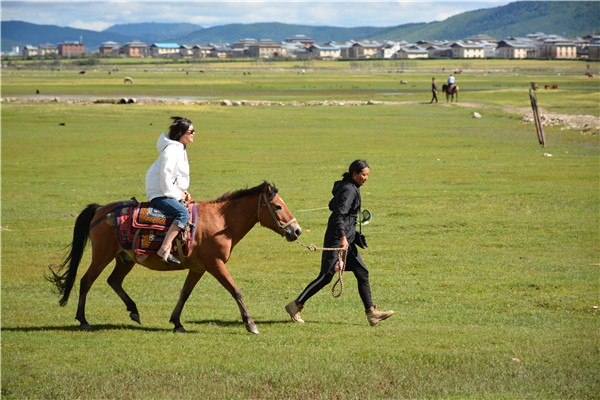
221,224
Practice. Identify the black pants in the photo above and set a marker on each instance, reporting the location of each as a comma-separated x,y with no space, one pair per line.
354,263
434,97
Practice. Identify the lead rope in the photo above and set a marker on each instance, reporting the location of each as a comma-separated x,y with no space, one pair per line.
340,265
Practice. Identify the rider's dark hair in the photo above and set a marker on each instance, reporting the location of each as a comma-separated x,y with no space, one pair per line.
179,127
356,166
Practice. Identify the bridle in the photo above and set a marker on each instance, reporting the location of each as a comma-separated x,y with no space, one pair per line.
262,202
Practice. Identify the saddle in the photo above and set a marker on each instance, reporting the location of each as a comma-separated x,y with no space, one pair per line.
142,228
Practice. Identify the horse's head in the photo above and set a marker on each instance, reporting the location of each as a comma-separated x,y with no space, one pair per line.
275,215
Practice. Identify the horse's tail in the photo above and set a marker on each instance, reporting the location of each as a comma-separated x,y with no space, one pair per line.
64,279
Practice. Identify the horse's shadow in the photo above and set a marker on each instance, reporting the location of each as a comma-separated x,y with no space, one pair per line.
235,322
131,327
77,328
259,323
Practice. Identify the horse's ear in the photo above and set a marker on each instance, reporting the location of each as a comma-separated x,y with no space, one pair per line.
266,187
270,190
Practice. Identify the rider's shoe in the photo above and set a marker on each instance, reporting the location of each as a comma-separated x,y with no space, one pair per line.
168,258
171,260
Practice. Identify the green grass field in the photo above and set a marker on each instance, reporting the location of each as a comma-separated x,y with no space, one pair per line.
486,249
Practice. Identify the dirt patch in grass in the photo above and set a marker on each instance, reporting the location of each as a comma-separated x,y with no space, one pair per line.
585,123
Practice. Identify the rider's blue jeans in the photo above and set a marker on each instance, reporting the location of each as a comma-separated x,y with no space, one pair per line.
173,209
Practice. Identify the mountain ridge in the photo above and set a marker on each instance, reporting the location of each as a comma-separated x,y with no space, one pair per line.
569,19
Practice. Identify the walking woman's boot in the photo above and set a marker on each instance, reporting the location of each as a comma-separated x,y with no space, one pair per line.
295,311
374,315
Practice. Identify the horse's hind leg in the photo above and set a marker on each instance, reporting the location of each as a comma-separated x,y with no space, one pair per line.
96,267
122,268
190,282
101,257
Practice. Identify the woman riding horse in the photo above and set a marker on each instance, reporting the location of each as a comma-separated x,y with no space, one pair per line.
222,223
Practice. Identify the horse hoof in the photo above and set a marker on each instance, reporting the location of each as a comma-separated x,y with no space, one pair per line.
252,329
85,327
179,329
135,317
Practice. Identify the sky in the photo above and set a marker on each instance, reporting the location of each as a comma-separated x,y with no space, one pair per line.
99,15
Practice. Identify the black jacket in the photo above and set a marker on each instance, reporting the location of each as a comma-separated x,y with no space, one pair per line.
344,206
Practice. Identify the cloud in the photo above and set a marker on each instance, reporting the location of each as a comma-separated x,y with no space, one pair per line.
99,15
92,26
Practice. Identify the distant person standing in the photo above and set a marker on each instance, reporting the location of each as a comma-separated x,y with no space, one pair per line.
434,91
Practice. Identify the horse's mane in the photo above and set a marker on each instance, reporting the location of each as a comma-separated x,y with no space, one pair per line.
242,193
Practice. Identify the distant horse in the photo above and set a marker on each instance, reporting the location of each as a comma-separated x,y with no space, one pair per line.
450,93
221,224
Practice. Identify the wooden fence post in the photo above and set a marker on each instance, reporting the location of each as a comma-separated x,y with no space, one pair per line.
536,116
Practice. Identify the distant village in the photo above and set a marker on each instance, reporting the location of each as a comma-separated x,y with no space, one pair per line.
536,46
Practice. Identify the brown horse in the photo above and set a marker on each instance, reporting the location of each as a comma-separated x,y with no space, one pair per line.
450,93
221,224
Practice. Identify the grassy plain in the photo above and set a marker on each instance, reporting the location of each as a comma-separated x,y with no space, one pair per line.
486,249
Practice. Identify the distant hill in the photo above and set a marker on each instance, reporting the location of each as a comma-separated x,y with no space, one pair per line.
158,31
21,33
277,32
566,18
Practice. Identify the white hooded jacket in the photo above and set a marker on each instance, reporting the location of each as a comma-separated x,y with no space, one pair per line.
170,174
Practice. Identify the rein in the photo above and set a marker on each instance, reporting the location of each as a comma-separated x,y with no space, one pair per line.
262,202
340,267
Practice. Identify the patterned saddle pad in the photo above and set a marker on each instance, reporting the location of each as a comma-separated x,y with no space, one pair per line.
142,228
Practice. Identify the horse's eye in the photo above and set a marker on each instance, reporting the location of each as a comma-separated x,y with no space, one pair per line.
278,207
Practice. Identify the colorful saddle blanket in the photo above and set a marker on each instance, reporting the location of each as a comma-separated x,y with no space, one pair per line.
142,228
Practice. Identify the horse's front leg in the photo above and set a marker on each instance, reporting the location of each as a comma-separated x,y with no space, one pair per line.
246,318
190,282
222,274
